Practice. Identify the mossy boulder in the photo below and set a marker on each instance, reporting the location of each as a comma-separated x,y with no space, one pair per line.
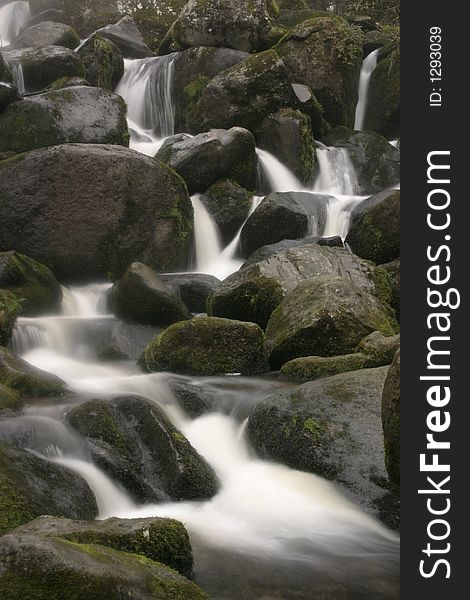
127,37
192,289
374,233
47,33
33,284
373,40
284,216
391,420
193,399
135,443
309,368
325,53
9,310
42,66
51,14
383,112
142,297
8,94
393,270
31,486
288,135
50,211
66,82
5,71
104,65
245,94
208,157
292,4
10,400
229,205
208,346
73,115
379,349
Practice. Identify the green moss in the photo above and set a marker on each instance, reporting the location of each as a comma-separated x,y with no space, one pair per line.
314,428
10,399
316,367
15,510
9,310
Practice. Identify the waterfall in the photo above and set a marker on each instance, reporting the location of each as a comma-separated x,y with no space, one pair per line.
368,66
12,18
147,88
273,176
337,175
18,76
85,301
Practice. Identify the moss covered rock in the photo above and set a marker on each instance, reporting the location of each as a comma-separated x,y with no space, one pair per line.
73,115
309,368
9,310
134,442
192,289
375,228
208,346
326,54
393,270
33,284
31,486
379,349
383,112
8,95
140,296
104,65
50,211
5,71
391,420
10,400
47,33
127,37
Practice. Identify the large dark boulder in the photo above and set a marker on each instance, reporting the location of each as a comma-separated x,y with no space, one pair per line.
33,284
47,33
391,420
284,216
87,210
56,15
127,37
5,71
219,154
266,252
80,114
104,65
8,95
374,233
208,346
383,109
393,270
192,289
9,310
135,443
142,297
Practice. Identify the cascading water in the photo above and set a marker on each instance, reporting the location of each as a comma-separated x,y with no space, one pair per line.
13,17
16,69
273,176
147,87
368,66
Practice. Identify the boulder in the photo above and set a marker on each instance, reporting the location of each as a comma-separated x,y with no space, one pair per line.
31,486
266,252
132,441
374,233
245,94
47,33
125,341
192,289
119,206
244,25
284,216
8,94
288,135
42,66
104,65
5,72
9,310
29,381
33,284
208,346
309,368
229,205
86,115
373,40
325,54
142,297
56,15
325,316
391,420
393,270
66,82
379,349
10,401
191,398
330,427
257,289
204,159
127,37
383,108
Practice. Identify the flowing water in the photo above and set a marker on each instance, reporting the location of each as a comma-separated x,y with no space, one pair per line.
368,66
13,17
16,69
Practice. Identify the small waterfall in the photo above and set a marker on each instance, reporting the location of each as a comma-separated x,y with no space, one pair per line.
12,18
18,76
368,66
273,176
337,175
85,301
147,87
207,238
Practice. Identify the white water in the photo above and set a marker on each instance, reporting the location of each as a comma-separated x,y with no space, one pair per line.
275,175
368,66
18,76
12,18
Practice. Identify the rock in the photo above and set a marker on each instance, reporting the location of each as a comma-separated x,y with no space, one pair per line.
374,233
292,4
393,270
309,368
193,69
283,216
391,420
47,33
288,135
290,18
330,427
325,316
120,206
244,25
10,401
373,40
29,381
66,82
8,95
31,486
209,157
104,65
208,346
127,37
379,349
126,341
229,205
42,66
52,14
142,297
193,289
266,252
134,442
191,399
58,568
33,284
325,54
9,310
245,94
383,108
5,71
84,115
257,289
